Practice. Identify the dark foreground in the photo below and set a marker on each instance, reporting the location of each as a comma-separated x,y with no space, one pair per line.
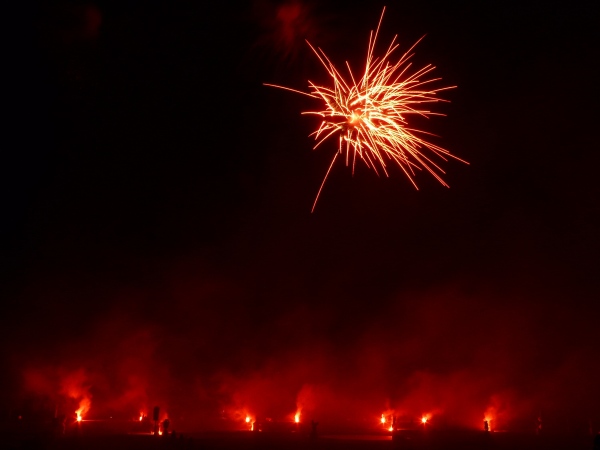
256,441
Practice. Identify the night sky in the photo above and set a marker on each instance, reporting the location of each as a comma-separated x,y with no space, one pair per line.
158,245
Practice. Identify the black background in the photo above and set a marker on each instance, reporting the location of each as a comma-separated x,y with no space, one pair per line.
153,186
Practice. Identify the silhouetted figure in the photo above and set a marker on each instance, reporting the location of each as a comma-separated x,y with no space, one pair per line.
313,429
155,418
486,425
59,425
165,426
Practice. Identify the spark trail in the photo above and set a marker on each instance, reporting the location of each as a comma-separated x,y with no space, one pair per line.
369,114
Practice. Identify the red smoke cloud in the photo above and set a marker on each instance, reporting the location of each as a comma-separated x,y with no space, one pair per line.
455,354
64,391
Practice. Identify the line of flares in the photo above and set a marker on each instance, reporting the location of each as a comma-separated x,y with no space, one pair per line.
388,420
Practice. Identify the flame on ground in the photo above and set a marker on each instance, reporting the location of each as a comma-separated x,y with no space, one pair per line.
249,421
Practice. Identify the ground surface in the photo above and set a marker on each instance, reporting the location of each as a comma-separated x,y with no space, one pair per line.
250,441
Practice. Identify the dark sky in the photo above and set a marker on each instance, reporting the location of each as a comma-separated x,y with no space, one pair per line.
158,245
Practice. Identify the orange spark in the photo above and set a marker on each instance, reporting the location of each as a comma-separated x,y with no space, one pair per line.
391,429
369,114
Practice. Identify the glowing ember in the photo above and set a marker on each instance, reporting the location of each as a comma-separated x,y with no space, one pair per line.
297,417
79,418
423,419
382,418
369,113
247,419
391,429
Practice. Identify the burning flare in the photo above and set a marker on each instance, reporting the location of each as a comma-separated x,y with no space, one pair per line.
249,421
369,114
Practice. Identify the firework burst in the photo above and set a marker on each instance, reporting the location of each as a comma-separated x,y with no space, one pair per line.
369,114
